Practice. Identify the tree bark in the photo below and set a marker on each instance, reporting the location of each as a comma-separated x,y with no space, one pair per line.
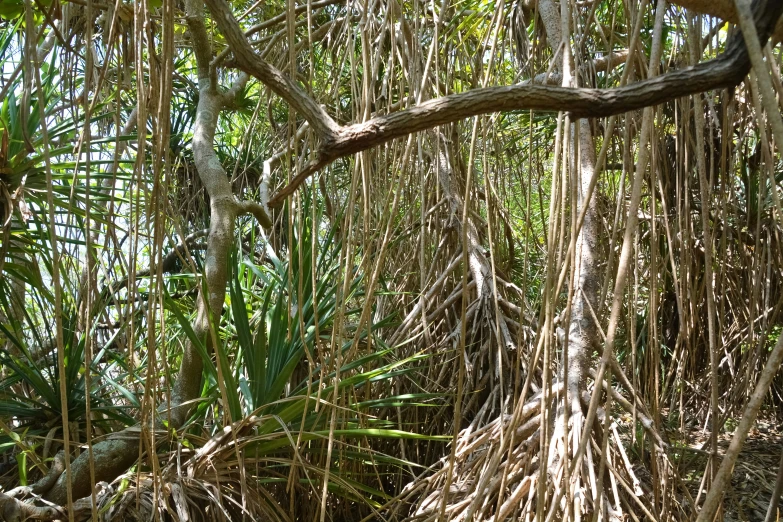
115,455
583,330
727,70
723,9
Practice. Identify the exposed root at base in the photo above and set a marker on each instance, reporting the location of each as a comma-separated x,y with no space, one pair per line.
497,471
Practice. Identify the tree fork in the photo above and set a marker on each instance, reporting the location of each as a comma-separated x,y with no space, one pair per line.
725,71
115,455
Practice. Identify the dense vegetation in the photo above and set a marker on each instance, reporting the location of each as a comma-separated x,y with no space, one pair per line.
393,259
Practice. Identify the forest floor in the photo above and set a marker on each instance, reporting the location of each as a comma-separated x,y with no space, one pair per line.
753,480
752,484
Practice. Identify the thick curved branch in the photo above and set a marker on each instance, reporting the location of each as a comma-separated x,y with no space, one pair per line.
274,21
600,64
727,70
257,210
250,62
309,170
230,96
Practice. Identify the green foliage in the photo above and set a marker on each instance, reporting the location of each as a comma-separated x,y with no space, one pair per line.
293,307
30,392
272,364
23,173
13,9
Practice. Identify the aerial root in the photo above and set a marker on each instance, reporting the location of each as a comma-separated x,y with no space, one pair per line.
496,471
14,509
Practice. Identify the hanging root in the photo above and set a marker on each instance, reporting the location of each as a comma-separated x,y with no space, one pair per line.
497,471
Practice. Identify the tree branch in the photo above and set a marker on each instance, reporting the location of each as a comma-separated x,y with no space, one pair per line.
250,62
229,97
274,21
311,168
201,47
255,208
727,70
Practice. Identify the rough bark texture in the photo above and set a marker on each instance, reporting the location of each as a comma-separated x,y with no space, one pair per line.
583,331
727,70
114,456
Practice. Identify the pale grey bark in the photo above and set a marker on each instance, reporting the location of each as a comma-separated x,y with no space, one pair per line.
114,456
583,333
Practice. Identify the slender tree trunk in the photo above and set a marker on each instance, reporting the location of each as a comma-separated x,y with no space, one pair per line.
583,331
115,455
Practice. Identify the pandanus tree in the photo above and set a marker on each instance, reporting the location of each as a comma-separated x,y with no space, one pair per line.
384,259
